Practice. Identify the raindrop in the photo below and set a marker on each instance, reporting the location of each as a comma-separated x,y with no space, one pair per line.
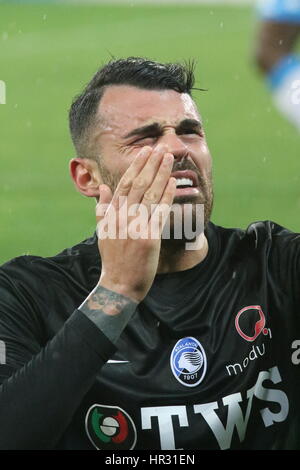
44,17
4,36
234,275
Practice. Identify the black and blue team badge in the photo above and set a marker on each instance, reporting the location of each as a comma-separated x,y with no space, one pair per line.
188,362
110,428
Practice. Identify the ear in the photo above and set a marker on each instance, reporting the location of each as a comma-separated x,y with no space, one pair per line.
86,176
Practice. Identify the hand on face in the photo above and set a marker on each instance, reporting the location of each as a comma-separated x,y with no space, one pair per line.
129,265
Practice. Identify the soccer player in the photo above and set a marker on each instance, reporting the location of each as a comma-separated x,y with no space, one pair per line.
277,37
137,342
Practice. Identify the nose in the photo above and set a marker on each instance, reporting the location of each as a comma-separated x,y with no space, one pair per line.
175,145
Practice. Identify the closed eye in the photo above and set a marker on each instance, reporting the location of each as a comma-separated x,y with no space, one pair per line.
190,127
190,132
145,139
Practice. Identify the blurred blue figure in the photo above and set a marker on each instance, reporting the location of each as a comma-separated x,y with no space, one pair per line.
280,10
278,33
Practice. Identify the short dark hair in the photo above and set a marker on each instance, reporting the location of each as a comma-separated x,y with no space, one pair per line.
136,71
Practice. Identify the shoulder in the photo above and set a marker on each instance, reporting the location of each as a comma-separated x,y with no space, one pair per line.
261,239
257,234
36,269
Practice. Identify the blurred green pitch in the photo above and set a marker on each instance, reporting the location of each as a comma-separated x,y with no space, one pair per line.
48,52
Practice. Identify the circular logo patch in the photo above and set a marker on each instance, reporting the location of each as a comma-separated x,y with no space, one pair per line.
250,322
188,362
110,428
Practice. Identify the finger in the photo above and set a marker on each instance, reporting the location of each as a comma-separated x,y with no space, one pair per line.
105,198
153,194
146,176
125,183
161,213
169,192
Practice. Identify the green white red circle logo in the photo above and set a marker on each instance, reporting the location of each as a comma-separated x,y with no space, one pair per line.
110,428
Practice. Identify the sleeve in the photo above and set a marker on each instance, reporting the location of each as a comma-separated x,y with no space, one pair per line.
41,386
285,261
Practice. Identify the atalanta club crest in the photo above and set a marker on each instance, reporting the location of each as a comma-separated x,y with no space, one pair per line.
110,428
188,362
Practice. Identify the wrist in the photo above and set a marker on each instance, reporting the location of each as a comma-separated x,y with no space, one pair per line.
109,311
121,289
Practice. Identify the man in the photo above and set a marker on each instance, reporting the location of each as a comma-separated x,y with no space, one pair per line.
277,37
150,345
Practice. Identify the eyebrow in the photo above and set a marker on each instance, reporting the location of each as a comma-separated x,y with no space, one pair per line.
188,124
155,128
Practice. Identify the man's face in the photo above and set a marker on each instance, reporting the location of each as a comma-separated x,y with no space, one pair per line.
129,118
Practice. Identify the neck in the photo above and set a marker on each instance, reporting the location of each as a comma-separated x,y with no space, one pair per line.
175,257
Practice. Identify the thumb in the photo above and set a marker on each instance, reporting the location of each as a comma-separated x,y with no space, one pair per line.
105,197
105,194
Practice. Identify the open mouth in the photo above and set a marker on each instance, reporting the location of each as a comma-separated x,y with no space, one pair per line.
185,179
184,183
